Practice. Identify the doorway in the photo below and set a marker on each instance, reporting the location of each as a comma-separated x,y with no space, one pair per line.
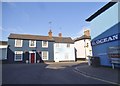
32,57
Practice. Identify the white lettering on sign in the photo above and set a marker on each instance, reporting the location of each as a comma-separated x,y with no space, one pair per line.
107,39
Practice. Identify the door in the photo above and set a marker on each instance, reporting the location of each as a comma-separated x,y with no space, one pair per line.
32,57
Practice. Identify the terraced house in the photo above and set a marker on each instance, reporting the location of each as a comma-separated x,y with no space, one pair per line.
26,48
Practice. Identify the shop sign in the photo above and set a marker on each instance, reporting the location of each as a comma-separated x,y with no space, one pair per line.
106,39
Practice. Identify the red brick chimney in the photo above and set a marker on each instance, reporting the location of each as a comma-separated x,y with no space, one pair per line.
50,33
87,32
60,34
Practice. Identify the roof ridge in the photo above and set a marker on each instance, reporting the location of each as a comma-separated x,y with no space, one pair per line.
27,34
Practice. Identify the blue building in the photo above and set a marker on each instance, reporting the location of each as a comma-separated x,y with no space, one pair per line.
26,48
3,50
105,32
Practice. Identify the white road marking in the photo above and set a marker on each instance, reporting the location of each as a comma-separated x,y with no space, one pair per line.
52,67
110,82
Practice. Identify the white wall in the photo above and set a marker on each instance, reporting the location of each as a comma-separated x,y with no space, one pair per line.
105,20
62,53
83,52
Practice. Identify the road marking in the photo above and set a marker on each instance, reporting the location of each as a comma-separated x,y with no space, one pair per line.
77,71
52,67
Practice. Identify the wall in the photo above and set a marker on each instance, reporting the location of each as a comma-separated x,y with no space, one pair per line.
62,53
101,50
105,20
26,48
3,52
81,50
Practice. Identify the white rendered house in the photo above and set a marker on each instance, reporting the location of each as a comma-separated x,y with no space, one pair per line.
64,49
83,46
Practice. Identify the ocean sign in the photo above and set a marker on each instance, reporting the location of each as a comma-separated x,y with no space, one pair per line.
106,39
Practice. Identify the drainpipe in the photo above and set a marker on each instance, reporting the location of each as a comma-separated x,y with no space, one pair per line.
85,47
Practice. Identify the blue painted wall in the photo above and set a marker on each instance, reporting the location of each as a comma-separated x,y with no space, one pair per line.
25,47
3,52
101,50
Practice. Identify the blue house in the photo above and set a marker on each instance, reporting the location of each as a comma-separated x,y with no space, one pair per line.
26,48
105,33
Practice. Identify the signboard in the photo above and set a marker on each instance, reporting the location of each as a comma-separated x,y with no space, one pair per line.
106,39
114,52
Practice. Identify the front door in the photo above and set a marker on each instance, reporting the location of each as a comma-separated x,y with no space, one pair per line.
32,57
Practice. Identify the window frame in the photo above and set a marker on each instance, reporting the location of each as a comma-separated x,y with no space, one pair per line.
46,45
68,45
47,55
57,45
30,41
21,43
21,56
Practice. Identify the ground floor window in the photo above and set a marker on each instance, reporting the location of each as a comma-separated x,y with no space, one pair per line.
18,55
44,55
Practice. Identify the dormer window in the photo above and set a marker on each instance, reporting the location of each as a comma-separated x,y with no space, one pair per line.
32,43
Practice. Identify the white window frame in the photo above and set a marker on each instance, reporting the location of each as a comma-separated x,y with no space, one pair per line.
47,55
57,44
67,45
21,43
46,45
30,43
21,56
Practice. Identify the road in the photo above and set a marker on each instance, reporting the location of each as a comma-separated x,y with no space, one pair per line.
49,73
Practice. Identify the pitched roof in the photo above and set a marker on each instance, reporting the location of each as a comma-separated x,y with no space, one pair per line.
28,36
82,37
63,40
3,42
104,8
39,37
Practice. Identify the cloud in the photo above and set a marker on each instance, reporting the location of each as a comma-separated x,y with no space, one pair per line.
4,32
11,30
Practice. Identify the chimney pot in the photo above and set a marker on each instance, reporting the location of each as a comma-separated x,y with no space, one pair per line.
87,32
60,34
50,33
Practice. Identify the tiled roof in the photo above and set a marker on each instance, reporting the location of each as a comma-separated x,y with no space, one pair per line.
82,37
63,40
28,36
38,37
3,42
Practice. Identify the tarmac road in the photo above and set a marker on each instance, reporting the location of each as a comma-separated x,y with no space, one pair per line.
49,73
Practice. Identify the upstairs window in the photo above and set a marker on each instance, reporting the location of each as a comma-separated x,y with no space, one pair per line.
18,43
45,44
18,55
68,45
32,43
57,44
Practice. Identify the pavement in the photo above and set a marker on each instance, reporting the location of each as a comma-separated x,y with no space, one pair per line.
106,74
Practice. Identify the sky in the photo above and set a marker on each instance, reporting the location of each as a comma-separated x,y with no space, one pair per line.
34,17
